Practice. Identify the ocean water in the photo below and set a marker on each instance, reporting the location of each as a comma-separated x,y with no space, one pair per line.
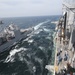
31,55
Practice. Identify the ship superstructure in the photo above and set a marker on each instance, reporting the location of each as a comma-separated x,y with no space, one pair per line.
11,35
65,41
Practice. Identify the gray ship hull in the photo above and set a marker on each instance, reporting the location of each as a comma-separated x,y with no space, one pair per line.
18,37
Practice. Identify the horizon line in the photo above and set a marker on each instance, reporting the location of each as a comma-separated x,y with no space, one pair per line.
30,16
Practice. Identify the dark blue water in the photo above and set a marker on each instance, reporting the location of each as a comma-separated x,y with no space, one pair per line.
31,55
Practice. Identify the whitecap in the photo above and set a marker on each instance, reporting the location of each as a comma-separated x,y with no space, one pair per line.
50,67
41,47
16,46
30,36
38,31
13,52
34,68
30,41
40,24
47,30
11,57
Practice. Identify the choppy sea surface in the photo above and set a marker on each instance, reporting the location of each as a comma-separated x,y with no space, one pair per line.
31,55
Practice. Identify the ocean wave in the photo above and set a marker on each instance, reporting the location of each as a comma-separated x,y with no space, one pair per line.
10,57
47,30
30,41
32,54
37,31
40,24
50,67
42,48
28,38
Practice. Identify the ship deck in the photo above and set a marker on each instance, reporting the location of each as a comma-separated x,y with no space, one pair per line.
61,50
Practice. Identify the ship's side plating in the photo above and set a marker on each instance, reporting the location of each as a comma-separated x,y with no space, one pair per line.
65,40
69,8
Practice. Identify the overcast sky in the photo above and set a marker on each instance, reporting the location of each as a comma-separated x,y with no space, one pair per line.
18,8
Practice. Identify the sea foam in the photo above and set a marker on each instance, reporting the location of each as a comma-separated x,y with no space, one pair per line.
10,57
